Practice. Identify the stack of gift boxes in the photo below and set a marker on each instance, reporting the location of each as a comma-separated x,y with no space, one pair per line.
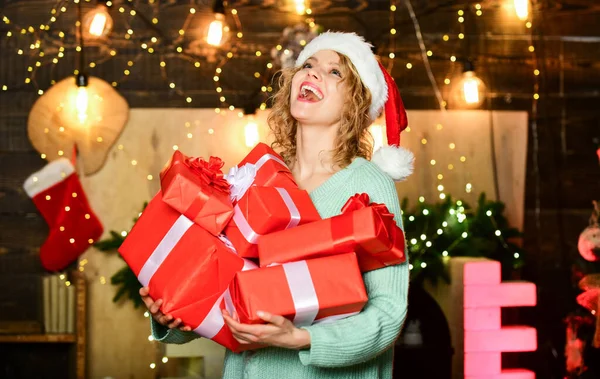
252,240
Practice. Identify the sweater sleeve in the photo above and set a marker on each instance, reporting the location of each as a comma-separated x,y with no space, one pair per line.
361,337
165,335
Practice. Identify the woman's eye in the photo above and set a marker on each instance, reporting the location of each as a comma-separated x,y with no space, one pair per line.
307,65
336,72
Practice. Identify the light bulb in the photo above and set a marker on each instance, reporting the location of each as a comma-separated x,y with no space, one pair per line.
522,9
300,7
470,89
251,133
215,30
81,103
98,23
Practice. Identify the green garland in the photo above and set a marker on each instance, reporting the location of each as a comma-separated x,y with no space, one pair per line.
127,283
434,232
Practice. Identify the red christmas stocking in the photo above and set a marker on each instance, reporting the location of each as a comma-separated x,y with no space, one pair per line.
57,193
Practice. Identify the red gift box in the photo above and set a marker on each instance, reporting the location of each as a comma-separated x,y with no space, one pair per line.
368,230
261,167
264,210
212,325
315,290
183,264
197,189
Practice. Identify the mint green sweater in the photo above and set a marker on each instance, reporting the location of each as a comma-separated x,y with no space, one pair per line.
358,347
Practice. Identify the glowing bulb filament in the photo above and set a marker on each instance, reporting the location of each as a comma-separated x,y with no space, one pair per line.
522,9
98,24
300,7
81,103
471,91
215,31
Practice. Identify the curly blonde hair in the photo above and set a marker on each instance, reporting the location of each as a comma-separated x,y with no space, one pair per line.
353,138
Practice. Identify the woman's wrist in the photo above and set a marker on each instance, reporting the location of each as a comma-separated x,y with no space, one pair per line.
302,337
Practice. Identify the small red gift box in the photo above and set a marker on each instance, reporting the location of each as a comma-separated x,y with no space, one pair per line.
183,264
264,210
197,189
315,290
261,167
368,230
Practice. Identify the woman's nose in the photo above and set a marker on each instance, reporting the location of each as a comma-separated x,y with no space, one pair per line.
314,73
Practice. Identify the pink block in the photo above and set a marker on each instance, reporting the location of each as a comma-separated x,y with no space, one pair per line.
506,374
506,294
483,318
517,373
486,272
483,364
507,339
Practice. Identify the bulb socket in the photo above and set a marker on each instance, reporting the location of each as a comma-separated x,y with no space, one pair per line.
219,7
468,66
82,80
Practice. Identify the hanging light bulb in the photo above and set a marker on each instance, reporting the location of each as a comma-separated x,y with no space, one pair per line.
216,29
522,9
82,98
469,91
98,23
300,7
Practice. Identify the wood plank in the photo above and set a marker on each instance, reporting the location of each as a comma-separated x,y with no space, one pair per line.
27,231
23,298
510,147
41,338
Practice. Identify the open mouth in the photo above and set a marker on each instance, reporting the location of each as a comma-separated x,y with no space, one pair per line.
310,92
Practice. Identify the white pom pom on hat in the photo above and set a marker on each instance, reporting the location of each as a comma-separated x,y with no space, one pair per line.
394,160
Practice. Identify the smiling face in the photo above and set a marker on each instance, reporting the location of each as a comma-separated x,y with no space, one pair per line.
318,90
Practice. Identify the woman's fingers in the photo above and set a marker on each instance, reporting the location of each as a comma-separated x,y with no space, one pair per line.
144,291
164,319
156,306
148,301
173,323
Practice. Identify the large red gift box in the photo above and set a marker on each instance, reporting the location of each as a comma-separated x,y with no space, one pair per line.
369,230
305,292
197,189
264,210
183,264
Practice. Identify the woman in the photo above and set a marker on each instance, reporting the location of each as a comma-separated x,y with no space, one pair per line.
320,118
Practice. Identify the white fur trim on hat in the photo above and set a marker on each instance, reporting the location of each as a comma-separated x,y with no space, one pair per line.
360,54
397,162
50,175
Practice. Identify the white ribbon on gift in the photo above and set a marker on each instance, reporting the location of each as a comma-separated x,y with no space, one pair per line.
304,296
306,302
242,178
250,234
163,249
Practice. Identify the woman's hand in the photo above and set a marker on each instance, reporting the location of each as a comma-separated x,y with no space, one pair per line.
279,331
157,315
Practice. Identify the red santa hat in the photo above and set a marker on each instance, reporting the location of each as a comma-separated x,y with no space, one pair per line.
394,160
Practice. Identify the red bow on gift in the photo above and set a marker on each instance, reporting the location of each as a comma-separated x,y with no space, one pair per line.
210,172
361,200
